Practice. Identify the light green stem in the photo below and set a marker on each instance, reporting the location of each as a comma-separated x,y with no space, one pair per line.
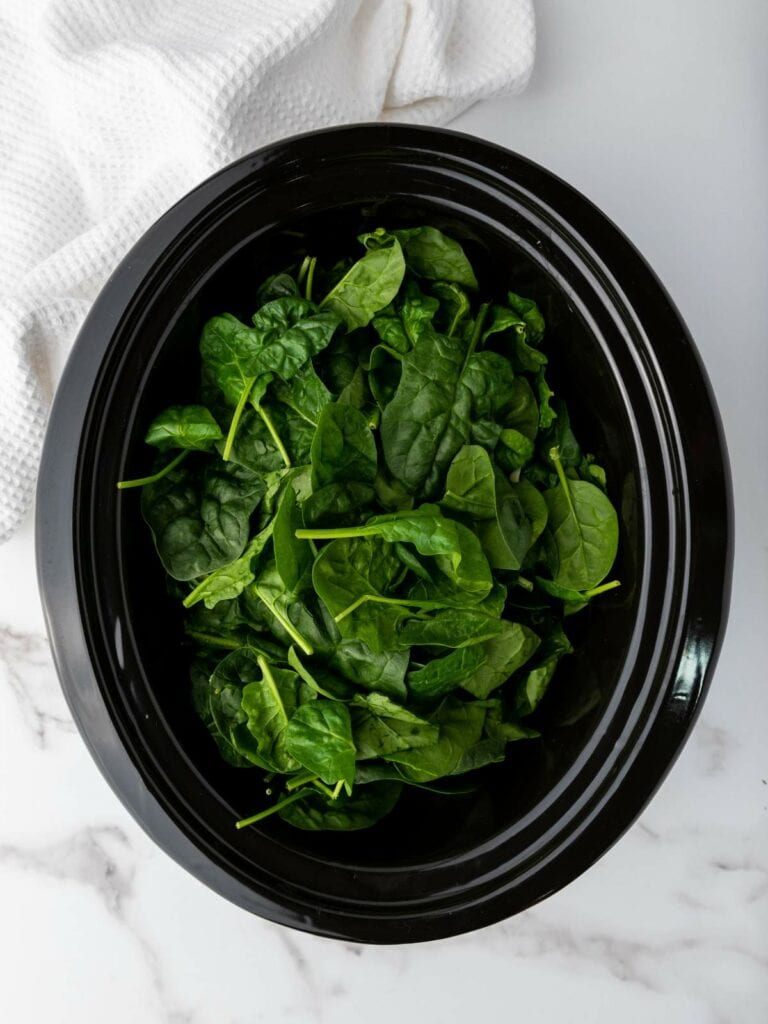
299,795
285,622
391,352
269,679
524,583
333,533
123,485
337,789
476,332
303,270
374,419
601,589
295,662
236,416
215,641
300,780
554,454
274,435
403,602
310,279
324,789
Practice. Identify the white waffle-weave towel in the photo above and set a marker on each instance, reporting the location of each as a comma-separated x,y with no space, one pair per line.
110,110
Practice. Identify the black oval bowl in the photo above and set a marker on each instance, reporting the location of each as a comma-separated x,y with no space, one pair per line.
617,713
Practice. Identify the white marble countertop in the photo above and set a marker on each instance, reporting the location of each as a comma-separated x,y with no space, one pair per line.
657,111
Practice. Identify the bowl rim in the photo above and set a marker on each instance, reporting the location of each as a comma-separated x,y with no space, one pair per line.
698,641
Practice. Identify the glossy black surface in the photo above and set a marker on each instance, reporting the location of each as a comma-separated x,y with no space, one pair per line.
617,713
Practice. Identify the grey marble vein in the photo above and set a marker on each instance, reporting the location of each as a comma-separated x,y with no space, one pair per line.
94,857
102,859
27,671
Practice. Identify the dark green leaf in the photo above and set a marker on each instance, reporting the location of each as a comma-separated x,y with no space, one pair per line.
200,520
381,727
442,675
277,286
431,254
449,627
470,486
364,808
454,307
230,580
461,727
293,557
428,419
533,685
513,450
343,458
270,702
382,672
305,393
454,547
523,414
503,654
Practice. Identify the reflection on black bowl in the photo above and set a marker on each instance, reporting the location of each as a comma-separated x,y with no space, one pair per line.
618,712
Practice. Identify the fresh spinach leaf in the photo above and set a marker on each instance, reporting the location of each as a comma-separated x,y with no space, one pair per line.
305,393
364,808
584,529
429,417
184,426
448,627
199,519
478,490
368,286
230,580
293,557
319,737
381,727
276,286
431,254
344,468
382,671
531,688
443,675
454,309
503,654
455,548
270,703
460,725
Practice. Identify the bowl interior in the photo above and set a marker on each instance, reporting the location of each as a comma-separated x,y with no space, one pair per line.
425,827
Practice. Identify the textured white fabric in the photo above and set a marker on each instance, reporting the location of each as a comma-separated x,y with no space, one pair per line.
110,110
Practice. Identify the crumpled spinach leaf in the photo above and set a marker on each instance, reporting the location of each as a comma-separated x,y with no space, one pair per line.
200,521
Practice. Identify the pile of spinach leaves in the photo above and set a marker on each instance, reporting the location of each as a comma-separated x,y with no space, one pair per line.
376,518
